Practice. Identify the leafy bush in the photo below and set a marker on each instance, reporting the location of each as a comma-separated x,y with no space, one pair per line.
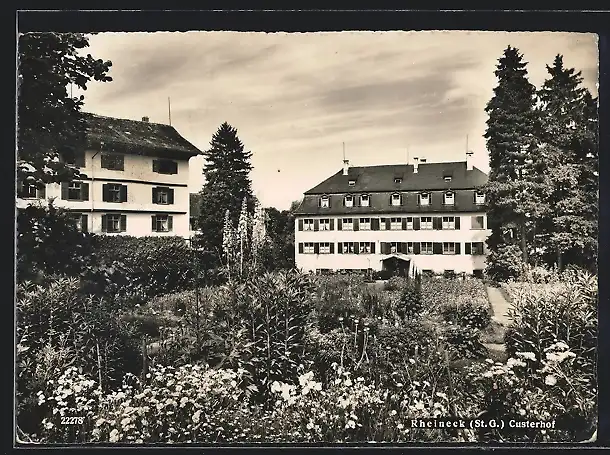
504,263
439,293
467,314
395,283
464,341
410,305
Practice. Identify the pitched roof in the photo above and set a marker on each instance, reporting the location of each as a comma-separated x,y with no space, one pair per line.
194,200
430,176
138,137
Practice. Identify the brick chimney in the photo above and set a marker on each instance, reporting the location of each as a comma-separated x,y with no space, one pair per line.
469,160
345,167
145,119
415,164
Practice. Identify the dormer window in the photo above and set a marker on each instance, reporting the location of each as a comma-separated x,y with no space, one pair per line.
397,180
324,202
448,198
447,178
348,201
352,183
479,198
365,200
396,199
424,199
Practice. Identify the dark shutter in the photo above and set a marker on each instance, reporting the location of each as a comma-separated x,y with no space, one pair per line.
170,223
340,248
316,225
437,222
105,193
84,191
437,248
332,248
372,247
404,247
356,224
356,247
339,224
332,224
123,223
320,202
457,248
104,223
154,223
391,199
154,195
84,222
416,225
401,199
388,224
374,224
300,247
418,199
467,248
64,191
42,192
416,248
300,225
79,159
404,224
316,248
382,247
457,222
123,193
155,165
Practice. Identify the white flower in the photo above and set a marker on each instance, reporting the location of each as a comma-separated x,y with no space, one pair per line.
114,435
350,424
550,380
400,426
522,412
419,405
310,426
527,355
348,382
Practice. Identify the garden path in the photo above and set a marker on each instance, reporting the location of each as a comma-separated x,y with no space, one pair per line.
500,321
499,305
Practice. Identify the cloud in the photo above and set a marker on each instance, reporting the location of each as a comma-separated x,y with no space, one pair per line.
295,97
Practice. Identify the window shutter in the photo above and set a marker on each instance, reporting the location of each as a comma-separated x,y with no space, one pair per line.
339,224
123,223
437,222
356,247
332,248
84,191
437,248
457,248
332,224
467,248
154,195
316,225
155,165
416,224
343,201
84,220
404,224
105,193
356,224
390,200
316,248
300,224
401,199
42,192
457,222
416,248
404,248
104,223
123,193
340,248
374,224
418,199
79,159
300,248
64,191
388,224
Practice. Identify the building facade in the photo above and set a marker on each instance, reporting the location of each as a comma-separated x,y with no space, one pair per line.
134,180
425,217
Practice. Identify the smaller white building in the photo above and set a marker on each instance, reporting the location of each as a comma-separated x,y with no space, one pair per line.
134,180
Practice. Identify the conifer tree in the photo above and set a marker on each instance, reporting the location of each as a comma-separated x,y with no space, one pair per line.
227,183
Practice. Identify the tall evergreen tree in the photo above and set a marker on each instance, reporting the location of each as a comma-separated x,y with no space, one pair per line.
513,190
570,159
227,183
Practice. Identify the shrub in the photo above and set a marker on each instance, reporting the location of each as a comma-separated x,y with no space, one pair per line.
504,263
395,283
464,341
410,305
467,314
439,293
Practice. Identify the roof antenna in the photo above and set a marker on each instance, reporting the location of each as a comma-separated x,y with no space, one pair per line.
169,110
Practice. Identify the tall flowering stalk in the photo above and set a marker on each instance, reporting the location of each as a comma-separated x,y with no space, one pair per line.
242,234
228,241
259,232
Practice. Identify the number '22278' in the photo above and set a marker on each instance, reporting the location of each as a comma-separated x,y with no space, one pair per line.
72,420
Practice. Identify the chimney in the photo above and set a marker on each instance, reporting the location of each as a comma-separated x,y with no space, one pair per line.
469,160
145,119
415,164
345,167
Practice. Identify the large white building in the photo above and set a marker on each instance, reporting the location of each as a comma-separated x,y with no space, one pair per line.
425,217
134,181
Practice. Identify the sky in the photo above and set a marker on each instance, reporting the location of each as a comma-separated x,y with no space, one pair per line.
296,98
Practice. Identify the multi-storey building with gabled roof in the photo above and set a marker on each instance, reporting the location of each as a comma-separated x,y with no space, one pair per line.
421,217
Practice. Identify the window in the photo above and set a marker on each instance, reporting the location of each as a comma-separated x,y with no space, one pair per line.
410,223
448,222
365,247
394,247
165,166
426,222
448,198
365,200
114,223
395,224
397,180
81,221
324,248
348,224
426,248
163,195
447,178
308,225
348,248
424,199
475,248
74,191
349,201
352,183
162,223
114,192
76,159
448,248
308,248
478,222
324,202
28,191
113,161
396,199
365,224
325,224
479,198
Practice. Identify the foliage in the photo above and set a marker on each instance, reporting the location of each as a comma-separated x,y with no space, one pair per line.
504,262
278,252
467,314
227,183
465,341
439,292
410,305
51,124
